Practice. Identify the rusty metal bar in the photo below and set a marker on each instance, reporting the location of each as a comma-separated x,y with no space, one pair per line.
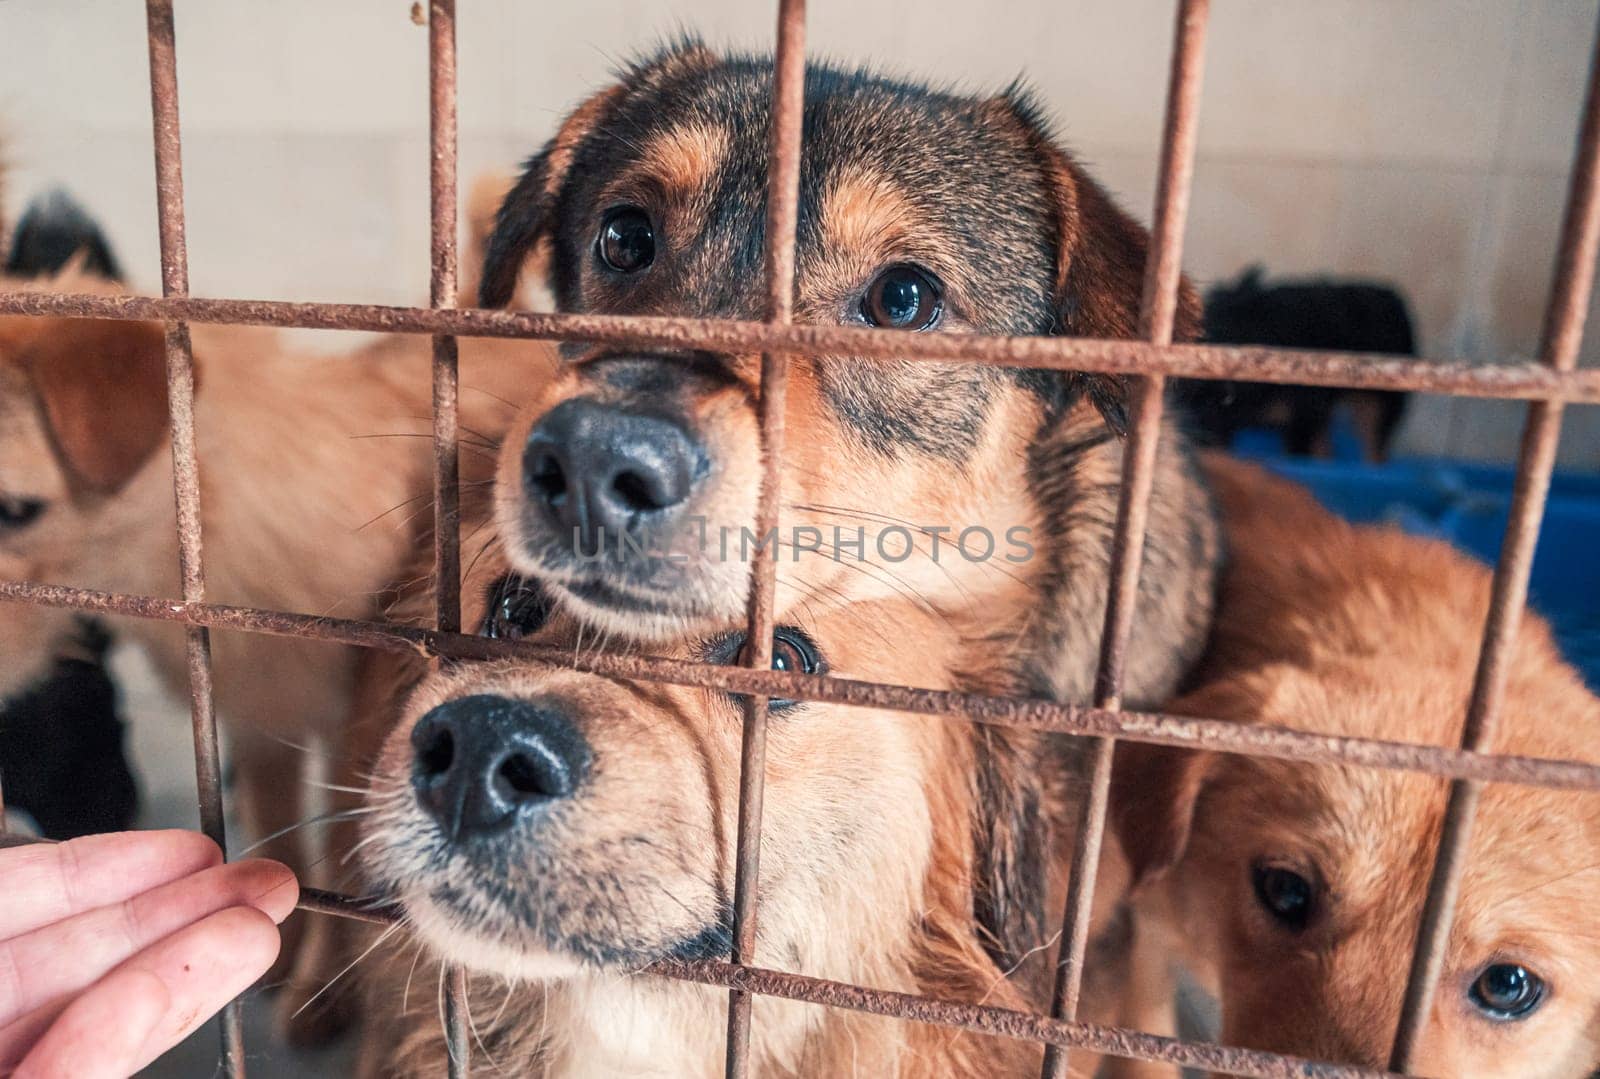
978,1018
318,901
1158,310
457,1023
168,138
783,210
1185,732
446,397
1558,348
1007,1023
1518,381
442,186
1549,385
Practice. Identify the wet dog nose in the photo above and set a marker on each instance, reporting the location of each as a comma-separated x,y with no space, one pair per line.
595,466
478,761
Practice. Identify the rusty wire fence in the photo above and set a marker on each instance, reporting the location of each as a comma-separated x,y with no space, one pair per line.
1547,385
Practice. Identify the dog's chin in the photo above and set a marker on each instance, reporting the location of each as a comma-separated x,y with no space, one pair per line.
521,957
615,611
680,602
516,960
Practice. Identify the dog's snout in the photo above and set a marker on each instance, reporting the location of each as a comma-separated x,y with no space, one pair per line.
597,467
479,762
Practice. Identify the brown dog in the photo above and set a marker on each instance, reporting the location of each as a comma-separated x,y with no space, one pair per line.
315,474
987,496
555,831
1299,887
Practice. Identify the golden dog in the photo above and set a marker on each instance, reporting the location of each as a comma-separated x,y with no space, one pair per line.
555,831
315,481
1299,887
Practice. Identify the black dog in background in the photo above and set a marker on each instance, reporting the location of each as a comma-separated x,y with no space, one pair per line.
1342,316
61,741
52,230
61,746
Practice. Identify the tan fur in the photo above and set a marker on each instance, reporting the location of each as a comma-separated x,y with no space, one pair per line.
314,478
684,159
864,213
879,445
1368,632
868,870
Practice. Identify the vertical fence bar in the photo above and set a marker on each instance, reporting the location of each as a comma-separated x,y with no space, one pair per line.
442,189
442,144
185,468
1157,313
1558,347
783,200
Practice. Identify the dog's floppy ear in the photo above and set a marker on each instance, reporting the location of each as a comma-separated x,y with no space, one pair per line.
1154,790
102,388
527,215
1100,258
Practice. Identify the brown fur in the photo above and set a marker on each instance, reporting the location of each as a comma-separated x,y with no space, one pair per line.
314,475
892,174
1368,632
873,868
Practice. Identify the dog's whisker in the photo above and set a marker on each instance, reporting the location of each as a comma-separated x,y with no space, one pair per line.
384,936
320,818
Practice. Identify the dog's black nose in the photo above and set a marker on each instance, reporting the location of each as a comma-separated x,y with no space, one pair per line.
478,761
596,466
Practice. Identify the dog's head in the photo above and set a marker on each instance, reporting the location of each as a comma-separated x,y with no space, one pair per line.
546,824
1303,885
920,210
83,407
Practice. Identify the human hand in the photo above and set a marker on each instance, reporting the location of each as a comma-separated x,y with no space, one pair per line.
113,948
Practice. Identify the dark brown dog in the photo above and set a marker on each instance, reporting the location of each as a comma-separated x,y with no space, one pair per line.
987,496
1298,888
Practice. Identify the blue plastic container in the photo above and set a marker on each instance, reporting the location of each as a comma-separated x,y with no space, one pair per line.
1469,504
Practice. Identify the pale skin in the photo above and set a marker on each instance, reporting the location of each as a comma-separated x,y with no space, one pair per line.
113,948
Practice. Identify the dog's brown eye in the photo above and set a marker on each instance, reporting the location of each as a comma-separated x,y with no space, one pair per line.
627,241
18,512
792,651
518,607
1287,896
902,298
1507,991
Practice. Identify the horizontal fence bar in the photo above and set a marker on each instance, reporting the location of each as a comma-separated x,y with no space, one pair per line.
978,1018
1006,1022
1373,371
375,911
1185,732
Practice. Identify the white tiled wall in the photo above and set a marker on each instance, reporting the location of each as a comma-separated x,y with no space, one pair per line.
1422,141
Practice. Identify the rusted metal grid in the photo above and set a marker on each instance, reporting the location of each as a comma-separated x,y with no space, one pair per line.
1548,385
